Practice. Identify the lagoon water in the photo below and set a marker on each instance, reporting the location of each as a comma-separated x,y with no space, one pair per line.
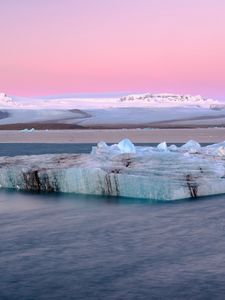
84,247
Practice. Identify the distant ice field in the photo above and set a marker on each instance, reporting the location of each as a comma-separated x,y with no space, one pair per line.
133,111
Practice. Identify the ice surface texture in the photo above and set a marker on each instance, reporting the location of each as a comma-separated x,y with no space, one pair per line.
160,173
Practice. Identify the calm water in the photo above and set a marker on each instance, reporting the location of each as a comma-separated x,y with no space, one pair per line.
84,247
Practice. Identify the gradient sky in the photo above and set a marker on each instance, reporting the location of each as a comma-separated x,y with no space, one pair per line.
72,46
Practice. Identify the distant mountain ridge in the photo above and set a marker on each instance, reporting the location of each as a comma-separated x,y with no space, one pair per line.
167,98
6,101
140,100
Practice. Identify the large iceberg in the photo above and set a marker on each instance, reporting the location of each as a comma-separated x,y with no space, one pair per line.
160,173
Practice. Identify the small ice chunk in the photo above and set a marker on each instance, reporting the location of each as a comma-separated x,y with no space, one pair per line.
100,148
173,148
126,146
162,146
114,148
191,147
101,145
27,130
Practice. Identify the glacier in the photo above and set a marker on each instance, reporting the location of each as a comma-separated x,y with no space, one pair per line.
125,170
132,111
136,100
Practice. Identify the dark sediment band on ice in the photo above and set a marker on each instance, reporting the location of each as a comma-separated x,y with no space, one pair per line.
40,126
162,173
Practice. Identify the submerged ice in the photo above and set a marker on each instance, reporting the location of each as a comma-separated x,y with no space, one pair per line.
162,173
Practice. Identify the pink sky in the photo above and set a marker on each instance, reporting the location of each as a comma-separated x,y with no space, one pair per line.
93,46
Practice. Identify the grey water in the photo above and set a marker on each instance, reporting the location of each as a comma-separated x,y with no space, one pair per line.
55,246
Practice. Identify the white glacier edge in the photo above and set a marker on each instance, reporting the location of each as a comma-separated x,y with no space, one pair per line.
159,173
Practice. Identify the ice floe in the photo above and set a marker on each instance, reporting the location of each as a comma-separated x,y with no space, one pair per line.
161,173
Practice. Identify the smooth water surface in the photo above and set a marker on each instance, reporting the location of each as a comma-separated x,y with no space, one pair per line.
77,247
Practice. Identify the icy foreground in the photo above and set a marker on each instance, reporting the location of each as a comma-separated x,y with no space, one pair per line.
160,173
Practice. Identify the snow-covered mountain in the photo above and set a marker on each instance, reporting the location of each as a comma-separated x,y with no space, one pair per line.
6,101
137,100
170,99
133,111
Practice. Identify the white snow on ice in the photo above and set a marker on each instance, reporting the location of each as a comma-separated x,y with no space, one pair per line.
126,146
160,173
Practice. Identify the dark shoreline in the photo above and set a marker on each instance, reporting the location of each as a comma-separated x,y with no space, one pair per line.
63,126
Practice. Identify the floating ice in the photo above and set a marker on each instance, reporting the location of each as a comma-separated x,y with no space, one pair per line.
27,130
100,148
126,146
102,145
119,171
162,146
172,148
191,147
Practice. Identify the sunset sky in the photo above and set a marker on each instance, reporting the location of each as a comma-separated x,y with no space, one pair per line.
97,46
